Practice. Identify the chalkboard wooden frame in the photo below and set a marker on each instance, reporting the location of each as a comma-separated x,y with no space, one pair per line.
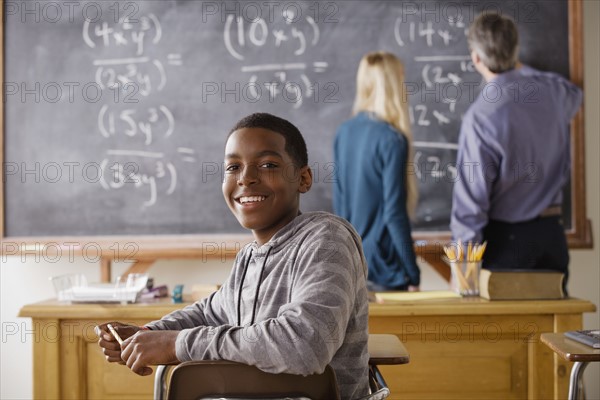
225,245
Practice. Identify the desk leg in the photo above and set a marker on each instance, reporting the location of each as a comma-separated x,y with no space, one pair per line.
46,360
576,374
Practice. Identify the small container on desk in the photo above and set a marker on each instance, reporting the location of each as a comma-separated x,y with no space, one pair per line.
177,296
74,288
465,277
64,285
465,264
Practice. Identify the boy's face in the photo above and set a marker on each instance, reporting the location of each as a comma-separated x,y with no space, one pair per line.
262,184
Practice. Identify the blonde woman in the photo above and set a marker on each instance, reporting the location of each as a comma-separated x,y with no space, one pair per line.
374,189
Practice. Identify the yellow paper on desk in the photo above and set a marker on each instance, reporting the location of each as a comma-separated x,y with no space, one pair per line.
383,297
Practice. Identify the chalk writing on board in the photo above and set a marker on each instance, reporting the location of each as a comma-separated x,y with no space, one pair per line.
60,79
128,172
439,94
128,32
426,32
276,78
432,166
131,71
133,122
136,74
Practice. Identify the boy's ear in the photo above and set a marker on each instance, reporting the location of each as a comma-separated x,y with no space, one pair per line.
305,179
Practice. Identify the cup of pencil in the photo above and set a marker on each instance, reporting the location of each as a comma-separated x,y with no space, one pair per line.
465,264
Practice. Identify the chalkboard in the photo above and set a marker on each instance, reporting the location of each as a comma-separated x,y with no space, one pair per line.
116,113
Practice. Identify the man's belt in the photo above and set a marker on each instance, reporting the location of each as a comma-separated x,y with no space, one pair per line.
552,211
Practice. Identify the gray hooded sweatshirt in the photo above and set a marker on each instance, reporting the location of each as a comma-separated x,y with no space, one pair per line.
293,305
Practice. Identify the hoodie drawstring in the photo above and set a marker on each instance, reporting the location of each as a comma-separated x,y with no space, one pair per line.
239,305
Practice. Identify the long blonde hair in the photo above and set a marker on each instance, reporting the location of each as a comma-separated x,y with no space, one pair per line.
380,90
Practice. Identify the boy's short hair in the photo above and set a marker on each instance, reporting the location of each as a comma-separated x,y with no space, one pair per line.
295,145
495,38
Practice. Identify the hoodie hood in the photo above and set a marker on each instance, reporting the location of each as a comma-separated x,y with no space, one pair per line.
292,230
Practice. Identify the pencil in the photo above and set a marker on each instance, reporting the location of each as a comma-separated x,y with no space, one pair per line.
469,252
115,334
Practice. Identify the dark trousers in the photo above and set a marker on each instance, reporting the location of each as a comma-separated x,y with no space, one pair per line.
537,244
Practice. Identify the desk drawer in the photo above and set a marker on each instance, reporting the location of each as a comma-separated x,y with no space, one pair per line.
467,357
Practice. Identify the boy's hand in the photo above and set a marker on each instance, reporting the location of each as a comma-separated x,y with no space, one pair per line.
412,288
108,343
149,348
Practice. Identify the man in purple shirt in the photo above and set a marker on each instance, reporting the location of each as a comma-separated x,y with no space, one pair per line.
514,155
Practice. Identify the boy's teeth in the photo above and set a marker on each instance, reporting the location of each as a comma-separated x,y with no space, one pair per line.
248,199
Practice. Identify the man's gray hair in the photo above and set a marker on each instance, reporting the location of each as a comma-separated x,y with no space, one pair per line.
495,39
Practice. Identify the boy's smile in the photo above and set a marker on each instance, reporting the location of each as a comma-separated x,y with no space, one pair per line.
262,184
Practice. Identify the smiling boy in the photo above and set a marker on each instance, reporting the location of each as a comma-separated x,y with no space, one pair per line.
296,299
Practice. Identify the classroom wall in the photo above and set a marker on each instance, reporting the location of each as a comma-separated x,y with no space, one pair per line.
585,264
27,282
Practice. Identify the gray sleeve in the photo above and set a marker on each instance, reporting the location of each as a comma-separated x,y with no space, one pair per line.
211,311
310,325
206,312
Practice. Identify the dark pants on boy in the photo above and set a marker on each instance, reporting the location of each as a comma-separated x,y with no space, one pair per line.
536,244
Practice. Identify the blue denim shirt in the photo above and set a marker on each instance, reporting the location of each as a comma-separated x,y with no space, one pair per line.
370,192
514,150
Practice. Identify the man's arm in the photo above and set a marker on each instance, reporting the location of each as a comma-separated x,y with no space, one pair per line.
567,95
477,168
574,98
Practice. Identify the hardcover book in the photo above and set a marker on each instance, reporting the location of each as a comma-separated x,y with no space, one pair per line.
521,284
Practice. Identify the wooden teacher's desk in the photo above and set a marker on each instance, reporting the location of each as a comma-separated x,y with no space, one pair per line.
459,348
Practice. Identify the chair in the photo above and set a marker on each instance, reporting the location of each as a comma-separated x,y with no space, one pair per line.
215,379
